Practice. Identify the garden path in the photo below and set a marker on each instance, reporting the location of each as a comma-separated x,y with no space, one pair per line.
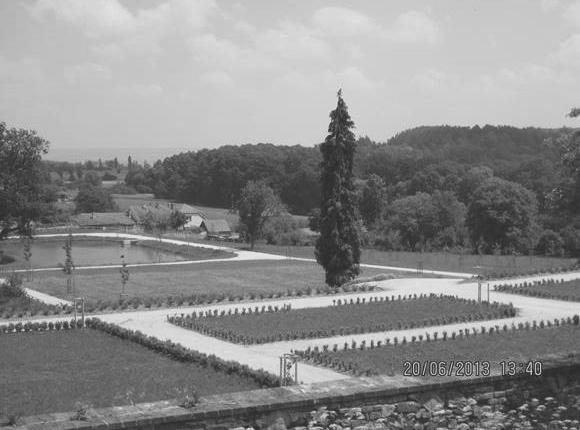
154,323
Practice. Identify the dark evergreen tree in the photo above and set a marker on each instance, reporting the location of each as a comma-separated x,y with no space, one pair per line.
338,247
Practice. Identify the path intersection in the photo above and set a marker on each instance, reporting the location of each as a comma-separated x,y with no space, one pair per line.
266,356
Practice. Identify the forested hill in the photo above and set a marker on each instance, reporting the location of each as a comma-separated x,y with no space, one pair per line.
421,159
477,144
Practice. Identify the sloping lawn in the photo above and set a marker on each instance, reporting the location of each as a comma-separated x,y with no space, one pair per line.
231,277
50,371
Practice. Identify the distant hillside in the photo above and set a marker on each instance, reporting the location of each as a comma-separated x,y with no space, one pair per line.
435,154
478,144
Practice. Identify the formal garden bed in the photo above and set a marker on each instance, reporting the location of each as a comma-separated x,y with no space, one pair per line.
105,365
257,325
546,289
421,356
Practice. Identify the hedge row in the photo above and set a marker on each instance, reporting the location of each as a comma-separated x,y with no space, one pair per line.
40,326
201,321
325,356
527,289
551,270
180,353
23,310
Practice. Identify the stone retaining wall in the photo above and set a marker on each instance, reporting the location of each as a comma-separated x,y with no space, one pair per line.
289,406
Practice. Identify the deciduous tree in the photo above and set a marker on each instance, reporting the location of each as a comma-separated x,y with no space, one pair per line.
502,213
257,204
338,247
21,179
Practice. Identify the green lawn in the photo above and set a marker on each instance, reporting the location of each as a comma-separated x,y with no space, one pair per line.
344,319
50,371
520,345
569,290
490,264
230,277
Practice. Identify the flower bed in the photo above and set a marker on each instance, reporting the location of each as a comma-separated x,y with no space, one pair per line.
475,345
249,325
546,289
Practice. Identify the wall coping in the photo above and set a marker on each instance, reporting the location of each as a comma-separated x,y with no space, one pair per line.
306,396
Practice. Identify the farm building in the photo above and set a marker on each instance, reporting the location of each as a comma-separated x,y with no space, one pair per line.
217,229
105,220
194,216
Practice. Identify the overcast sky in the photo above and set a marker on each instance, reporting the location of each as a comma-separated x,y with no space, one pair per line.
150,78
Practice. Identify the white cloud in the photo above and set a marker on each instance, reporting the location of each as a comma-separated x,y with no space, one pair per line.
430,79
218,78
25,70
414,27
340,21
140,90
97,18
118,31
87,73
549,5
572,13
290,41
569,52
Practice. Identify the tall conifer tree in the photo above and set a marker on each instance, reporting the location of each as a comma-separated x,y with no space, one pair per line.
338,247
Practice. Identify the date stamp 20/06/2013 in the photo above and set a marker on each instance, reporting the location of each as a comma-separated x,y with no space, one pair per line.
468,369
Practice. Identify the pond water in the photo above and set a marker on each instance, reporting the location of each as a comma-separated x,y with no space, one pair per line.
84,253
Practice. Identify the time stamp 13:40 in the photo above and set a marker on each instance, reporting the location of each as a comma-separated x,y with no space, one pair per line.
472,368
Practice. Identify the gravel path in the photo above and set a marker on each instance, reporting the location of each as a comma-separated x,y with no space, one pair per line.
154,323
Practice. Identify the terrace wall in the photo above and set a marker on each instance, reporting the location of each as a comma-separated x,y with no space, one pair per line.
262,408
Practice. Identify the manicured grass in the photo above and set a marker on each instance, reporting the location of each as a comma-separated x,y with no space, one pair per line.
50,371
491,264
518,345
344,319
569,290
229,277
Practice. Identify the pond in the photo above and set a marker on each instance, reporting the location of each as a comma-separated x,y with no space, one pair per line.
49,253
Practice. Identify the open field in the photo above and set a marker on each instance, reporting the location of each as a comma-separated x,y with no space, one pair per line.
569,290
95,368
344,319
518,346
229,278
